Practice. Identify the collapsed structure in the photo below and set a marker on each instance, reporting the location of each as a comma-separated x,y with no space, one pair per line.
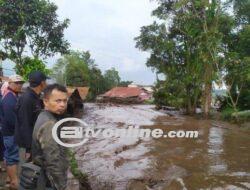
77,95
125,95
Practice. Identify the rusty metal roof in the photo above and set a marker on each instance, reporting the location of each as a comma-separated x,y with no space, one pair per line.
83,91
124,92
70,90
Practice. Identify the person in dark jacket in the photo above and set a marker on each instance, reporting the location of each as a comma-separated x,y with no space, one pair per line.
46,153
28,108
8,116
1,141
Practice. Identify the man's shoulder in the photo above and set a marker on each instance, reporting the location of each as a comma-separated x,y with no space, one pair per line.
27,96
44,117
44,121
9,97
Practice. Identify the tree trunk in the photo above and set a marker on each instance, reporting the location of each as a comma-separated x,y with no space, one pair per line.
207,98
191,106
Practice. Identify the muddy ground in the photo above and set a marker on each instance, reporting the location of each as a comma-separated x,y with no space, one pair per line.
218,159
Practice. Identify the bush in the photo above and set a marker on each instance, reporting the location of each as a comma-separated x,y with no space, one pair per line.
77,173
242,116
226,114
150,101
29,65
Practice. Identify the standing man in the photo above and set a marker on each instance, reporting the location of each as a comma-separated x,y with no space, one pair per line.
8,116
28,108
45,151
1,140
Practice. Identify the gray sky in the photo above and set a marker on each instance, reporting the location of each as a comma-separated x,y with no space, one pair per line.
107,29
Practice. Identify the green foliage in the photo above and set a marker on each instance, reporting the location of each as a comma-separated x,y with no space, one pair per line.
77,73
185,51
31,25
31,64
96,83
226,114
166,94
125,83
241,10
197,43
229,114
244,98
112,78
78,69
150,101
77,173
237,59
101,83
242,116
73,69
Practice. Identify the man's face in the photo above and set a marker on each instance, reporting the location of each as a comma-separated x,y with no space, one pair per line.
43,85
56,102
16,86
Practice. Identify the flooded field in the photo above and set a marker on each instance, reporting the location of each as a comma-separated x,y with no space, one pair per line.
218,159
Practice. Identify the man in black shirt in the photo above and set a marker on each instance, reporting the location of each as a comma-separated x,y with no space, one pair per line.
28,108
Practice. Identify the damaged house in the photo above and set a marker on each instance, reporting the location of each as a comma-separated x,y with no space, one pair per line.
77,95
127,95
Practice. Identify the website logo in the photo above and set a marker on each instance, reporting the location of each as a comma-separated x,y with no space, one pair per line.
83,132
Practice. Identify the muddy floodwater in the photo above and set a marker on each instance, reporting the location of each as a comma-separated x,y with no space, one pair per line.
218,159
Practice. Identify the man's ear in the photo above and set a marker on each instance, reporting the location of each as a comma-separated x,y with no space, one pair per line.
45,101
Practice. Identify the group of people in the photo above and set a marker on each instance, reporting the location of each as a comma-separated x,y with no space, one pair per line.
26,120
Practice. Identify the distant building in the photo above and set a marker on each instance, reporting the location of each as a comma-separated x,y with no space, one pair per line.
82,91
76,97
148,88
132,85
125,95
4,79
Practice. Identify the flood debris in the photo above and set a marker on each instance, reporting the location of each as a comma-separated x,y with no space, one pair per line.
152,164
77,96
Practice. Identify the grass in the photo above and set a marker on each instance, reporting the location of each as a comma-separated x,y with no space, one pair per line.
226,114
77,173
239,117
242,116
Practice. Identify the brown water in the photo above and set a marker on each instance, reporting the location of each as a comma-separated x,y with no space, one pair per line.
218,159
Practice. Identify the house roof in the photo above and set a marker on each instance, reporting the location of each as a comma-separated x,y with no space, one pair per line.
3,78
148,89
70,90
124,92
83,91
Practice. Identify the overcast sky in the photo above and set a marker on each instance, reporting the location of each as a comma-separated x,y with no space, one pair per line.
107,29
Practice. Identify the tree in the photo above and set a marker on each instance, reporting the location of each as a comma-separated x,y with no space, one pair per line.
96,83
31,26
79,69
111,78
125,83
236,70
72,69
32,64
186,50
